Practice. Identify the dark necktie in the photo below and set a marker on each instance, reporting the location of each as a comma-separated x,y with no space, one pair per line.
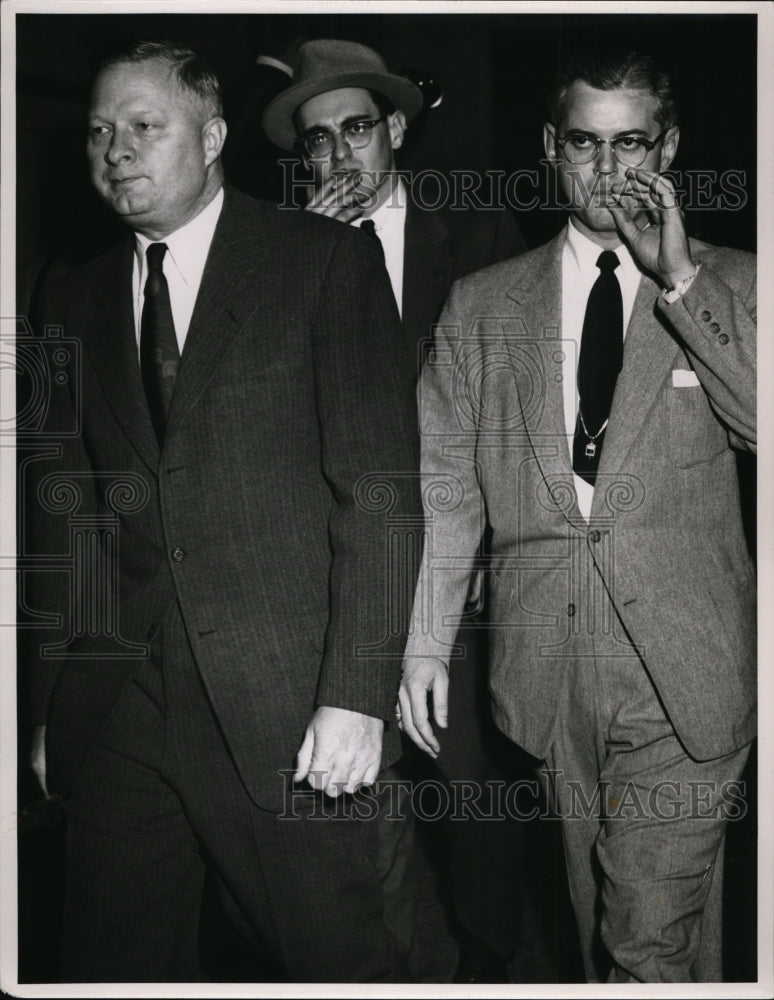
368,227
601,357
159,353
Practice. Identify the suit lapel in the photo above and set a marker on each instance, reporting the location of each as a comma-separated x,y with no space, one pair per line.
231,287
427,269
650,353
535,354
110,339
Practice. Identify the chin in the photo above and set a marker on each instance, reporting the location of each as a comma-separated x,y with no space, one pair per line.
598,220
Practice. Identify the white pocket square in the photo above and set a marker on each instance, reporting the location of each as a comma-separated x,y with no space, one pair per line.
683,377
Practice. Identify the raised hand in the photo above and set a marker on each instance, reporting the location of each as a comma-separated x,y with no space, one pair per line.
647,214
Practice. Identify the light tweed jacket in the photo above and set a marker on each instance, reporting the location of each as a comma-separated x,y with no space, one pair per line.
665,533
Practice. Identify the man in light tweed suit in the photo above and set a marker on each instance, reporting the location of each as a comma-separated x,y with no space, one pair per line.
586,400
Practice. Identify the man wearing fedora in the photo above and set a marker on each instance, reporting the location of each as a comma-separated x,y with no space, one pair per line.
348,115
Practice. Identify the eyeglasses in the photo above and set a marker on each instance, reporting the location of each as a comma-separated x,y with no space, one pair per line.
320,143
629,150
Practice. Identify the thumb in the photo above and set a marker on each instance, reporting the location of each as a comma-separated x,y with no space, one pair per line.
304,758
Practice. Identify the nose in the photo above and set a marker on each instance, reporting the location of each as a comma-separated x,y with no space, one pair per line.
340,148
120,147
605,162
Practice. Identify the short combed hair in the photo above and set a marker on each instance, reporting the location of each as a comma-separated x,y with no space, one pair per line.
613,70
192,73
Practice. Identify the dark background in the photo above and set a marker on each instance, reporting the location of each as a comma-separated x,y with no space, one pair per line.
494,70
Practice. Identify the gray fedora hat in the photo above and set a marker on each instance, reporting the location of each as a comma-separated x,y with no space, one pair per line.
330,64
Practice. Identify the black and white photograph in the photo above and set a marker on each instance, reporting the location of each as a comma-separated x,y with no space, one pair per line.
382,527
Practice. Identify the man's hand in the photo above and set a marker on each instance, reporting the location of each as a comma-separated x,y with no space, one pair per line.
337,198
38,756
341,751
422,677
660,244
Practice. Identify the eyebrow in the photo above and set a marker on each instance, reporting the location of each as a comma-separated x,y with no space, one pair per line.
349,120
618,135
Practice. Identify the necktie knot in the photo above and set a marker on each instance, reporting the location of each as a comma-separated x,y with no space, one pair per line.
369,228
607,261
155,257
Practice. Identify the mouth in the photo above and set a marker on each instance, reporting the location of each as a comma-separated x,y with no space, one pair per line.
123,181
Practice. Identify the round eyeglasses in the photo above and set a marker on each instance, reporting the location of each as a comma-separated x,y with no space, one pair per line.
318,144
629,150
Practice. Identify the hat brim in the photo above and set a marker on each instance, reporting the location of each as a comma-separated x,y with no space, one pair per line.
278,116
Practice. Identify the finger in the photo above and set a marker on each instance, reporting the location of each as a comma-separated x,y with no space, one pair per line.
333,789
356,780
626,224
336,193
347,213
372,772
659,188
304,757
441,699
418,698
403,708
341,186
413,734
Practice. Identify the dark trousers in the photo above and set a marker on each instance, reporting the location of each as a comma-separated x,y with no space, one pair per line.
158,799
484,846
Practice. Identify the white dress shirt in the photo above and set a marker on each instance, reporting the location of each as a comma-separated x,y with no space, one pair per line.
184,261
579,272
389,221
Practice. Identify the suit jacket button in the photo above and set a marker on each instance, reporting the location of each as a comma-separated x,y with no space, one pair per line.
595,536
570,610
715,327
706,316
723,339
178,555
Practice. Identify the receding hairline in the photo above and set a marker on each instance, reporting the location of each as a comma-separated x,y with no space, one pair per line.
207,105
633,91
607,70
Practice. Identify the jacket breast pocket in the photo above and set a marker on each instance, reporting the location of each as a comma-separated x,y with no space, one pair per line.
696,435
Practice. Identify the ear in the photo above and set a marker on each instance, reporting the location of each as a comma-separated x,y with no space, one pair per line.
213,137
396,122
669,147
549,142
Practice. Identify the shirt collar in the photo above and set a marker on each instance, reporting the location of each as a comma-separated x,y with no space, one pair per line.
188,246
584,252
391,210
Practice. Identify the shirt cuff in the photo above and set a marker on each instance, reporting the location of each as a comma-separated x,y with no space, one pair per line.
673,294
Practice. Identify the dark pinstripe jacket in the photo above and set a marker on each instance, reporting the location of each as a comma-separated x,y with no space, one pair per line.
260,516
